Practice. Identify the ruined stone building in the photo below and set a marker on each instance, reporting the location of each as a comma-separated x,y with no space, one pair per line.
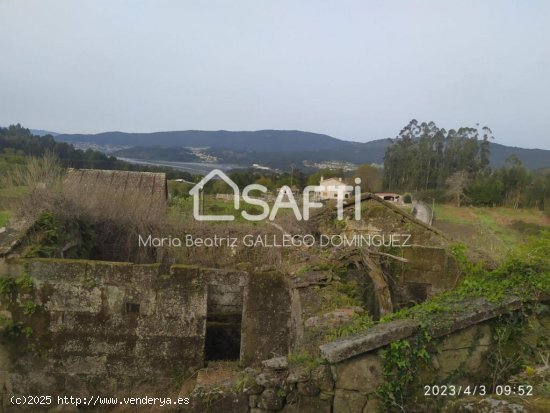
81,327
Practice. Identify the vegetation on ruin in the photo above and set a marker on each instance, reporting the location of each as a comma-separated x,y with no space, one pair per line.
11,292
401,362
51,232
524,275
305,359
358,323
13,286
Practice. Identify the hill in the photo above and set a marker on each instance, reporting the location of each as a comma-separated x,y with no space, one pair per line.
276,148
41,132
263,140
531,158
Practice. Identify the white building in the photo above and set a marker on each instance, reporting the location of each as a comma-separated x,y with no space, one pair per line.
390,197
329,188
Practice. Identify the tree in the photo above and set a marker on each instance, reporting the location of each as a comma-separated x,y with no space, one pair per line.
371,178
456,184
265,181
515,179
424,156
485,190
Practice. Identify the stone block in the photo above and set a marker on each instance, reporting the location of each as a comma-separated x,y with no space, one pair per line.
362,373
253,401
463,349
375,337
323,377
276,363
308,388
349,401
374,405
308,405
265,329
298,374
333,318
271,400
271,378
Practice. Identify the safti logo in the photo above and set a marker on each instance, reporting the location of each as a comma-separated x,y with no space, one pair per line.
311,196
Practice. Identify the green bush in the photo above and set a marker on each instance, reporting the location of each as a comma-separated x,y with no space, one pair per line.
432,194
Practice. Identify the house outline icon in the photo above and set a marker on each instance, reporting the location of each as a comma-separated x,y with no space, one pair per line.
195,191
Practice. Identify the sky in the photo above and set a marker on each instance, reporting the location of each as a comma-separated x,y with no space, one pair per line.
355,70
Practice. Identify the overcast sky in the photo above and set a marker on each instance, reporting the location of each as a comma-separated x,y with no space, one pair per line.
356,70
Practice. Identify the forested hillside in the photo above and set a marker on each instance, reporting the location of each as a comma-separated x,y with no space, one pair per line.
276,148
454,165
17,143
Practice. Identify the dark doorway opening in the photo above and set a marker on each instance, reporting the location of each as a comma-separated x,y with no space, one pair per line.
223,336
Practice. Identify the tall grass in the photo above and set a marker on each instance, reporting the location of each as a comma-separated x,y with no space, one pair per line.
36,173
4,217
30,188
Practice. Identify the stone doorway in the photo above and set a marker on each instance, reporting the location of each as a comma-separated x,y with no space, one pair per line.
223,336
223,319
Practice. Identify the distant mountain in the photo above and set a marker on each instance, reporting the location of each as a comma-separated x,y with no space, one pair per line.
276,148
531,158
264,140
40,132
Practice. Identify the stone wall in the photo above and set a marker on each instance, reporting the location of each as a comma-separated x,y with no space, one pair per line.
430,268
461,359
225,290
350,380
104,325
462,351
90,326
428,271
266,326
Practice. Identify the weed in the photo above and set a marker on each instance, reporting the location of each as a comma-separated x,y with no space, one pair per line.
400,362
304,359
358,324
24,283
30,308
15,329
7,287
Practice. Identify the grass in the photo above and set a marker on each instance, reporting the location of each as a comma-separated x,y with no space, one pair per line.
493,230
524,274
501,215
13,192
215,206
4,217
8,200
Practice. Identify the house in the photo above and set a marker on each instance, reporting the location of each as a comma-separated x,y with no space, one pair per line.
329,188
390,197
